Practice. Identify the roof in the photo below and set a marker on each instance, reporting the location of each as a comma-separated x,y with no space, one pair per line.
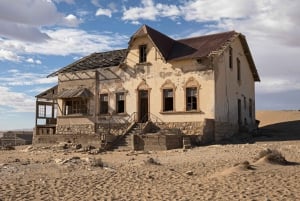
199,46
170,49
49,93
94,61
75,93
161,41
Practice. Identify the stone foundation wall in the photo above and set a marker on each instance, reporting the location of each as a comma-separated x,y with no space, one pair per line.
150,142
84,140
85,129
225,130
199,132
112,128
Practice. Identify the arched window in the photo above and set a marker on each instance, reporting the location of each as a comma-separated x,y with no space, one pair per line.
191,89
168,96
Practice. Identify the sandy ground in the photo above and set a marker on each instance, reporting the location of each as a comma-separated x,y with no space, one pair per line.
214,172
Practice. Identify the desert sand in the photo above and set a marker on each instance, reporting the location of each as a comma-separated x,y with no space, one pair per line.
215,172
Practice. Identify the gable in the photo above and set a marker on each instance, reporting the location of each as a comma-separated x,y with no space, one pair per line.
160,41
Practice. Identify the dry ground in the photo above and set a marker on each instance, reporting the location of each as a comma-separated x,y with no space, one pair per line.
215,172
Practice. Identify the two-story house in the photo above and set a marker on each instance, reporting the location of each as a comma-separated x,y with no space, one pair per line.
202,86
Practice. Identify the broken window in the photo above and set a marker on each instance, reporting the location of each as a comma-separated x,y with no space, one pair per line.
103,103
238,69
75,106
230,57
191,98
168,100
120,102
142,53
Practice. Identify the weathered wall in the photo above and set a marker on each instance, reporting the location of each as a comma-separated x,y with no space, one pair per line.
228,90
157,142
156,74
85,140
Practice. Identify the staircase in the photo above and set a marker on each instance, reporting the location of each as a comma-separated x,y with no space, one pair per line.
124,143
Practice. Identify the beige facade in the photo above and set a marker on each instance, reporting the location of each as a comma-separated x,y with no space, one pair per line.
207,96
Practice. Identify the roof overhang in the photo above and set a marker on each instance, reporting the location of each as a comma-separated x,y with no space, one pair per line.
75,93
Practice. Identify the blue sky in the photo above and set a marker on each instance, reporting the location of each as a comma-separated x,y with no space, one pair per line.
38,37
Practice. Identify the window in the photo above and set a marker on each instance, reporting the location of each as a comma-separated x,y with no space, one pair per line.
230,57
191,98
250,107
103,103
238,69
120,103
143,53
245,103
168,100
75,106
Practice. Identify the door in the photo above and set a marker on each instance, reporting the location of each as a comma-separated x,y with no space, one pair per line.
143,105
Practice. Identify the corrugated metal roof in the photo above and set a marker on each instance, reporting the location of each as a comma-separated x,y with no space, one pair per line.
94,61
75,93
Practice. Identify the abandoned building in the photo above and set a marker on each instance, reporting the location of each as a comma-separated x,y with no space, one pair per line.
16,138
157,93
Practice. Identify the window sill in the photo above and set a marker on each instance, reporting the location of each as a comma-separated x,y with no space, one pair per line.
143,64
182,112
74,116
114,114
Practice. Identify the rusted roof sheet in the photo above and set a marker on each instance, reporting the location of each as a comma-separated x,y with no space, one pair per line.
199,46
75,93
94,61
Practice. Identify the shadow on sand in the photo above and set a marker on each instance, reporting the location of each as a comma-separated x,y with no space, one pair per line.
283,131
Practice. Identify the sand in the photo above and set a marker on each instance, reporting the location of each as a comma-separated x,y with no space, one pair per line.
215,172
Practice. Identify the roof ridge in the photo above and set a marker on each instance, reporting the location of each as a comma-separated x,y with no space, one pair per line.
203,36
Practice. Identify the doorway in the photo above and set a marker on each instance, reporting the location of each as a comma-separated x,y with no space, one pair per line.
143,106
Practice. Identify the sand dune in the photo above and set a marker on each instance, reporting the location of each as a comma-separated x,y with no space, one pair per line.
215,172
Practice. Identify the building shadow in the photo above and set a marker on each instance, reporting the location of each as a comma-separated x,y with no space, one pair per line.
283,131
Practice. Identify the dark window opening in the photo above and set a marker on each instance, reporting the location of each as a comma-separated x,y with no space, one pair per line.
239,112
238,69
143,53
230,57
191,98
75,106
250,107
168,100
103,103
120,103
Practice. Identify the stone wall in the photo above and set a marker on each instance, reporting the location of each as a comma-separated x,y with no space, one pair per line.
199,132
150,142
225,130
85,129
112,128
85,140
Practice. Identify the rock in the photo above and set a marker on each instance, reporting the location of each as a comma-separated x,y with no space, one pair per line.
189,172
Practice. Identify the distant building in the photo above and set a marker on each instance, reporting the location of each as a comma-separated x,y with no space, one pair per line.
16,138
202,86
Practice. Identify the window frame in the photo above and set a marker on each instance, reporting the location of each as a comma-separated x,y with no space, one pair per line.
164,99
230,57
192,108
238,65
101,108
143,53
117,95
75,106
